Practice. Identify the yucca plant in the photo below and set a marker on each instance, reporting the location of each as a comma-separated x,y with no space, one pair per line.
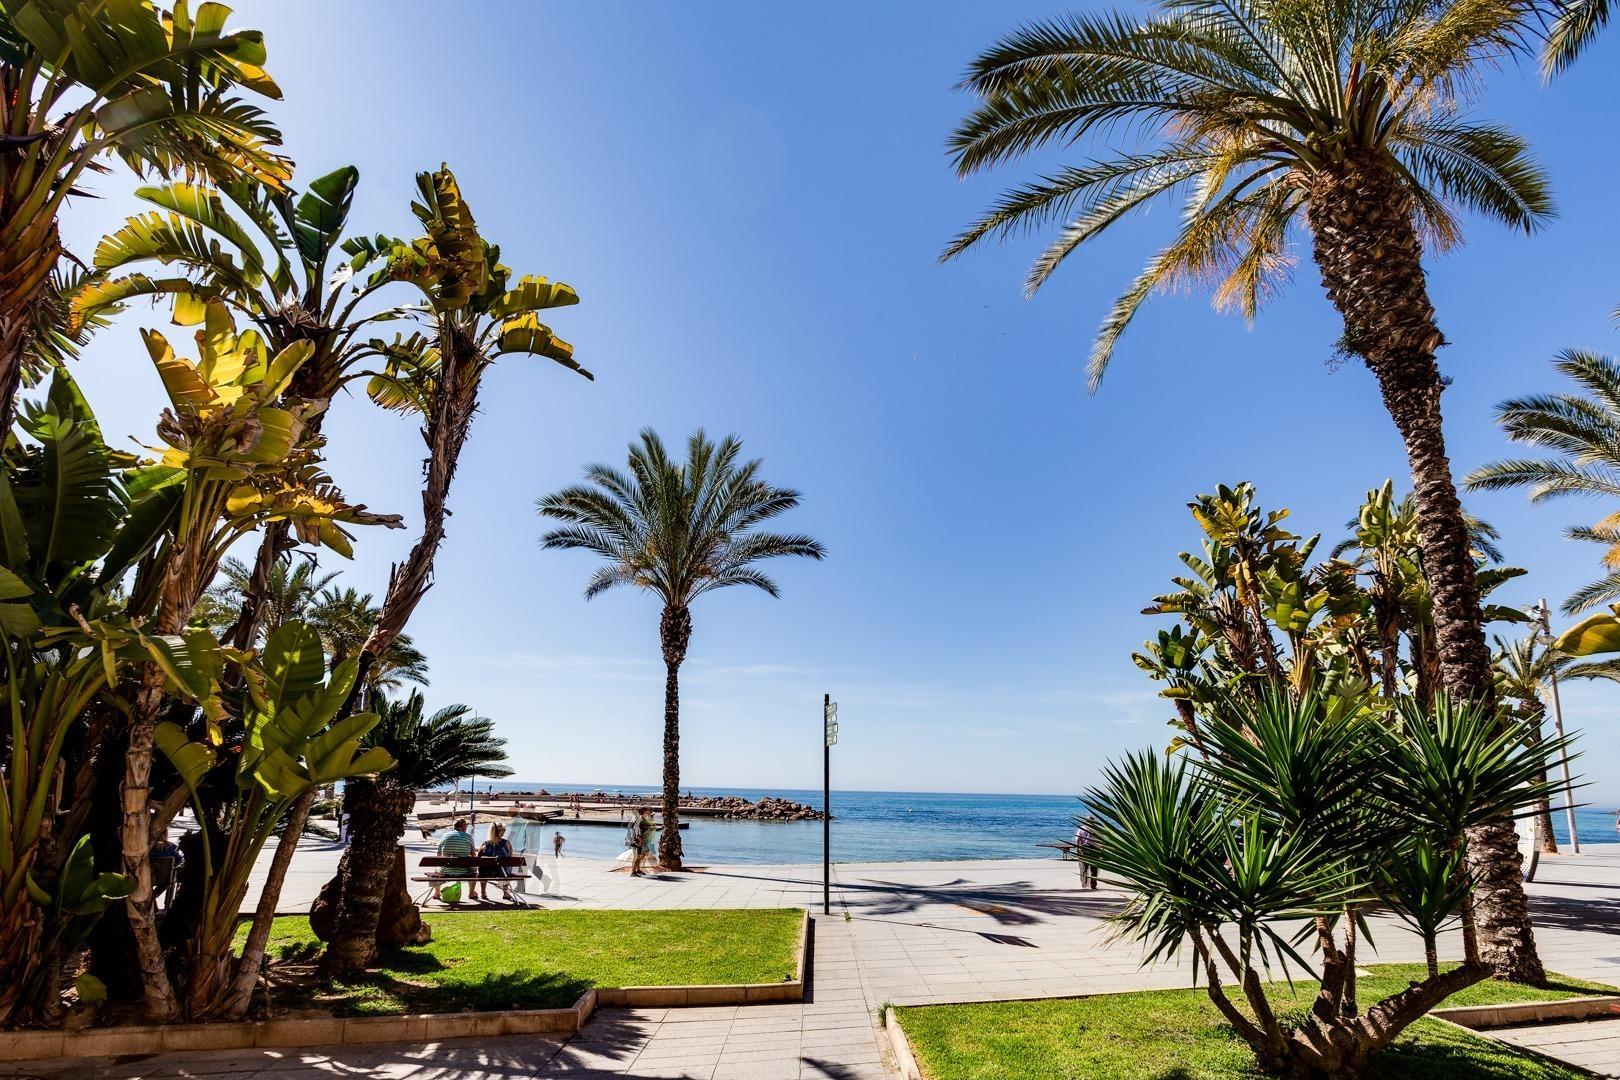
1258,855
1334,125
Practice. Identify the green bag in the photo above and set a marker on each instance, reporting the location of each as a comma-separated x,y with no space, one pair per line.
451,893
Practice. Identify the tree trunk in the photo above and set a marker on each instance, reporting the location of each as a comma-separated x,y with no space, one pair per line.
252,959
24,271
675,632
1371,260
376,822
1543,819
135,833
401,922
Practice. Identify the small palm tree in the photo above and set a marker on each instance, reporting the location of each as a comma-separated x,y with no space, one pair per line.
678,530
1332,123
292,593
344,618
450,745
1583,431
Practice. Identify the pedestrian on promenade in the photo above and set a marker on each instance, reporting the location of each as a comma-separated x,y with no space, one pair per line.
639,837
557,845
1084,841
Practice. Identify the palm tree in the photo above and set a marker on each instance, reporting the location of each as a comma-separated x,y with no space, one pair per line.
153,87
677,530
450,745
345,618
1333,120
291,591
1575,24
1583,431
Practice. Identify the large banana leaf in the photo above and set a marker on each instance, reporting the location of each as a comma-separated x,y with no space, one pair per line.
1591,636
66,492
533,293
321,214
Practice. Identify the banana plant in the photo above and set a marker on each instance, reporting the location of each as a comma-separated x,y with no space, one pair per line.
472,313
294,742
268,253
232,444
72,523
89,80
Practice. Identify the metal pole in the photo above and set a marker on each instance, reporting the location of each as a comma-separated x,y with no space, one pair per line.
1558,725
826,809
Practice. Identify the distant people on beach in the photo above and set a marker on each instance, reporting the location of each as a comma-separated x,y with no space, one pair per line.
496,847
457,844
557,845
1084,841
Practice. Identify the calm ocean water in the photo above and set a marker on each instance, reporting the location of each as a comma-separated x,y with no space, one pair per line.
887,826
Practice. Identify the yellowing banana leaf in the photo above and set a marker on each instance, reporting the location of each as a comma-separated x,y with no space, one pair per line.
525,333
273,435
186,388
533,293
1591,636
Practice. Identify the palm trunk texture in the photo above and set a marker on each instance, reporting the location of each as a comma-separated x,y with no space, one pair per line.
675,632
1371,261
376,822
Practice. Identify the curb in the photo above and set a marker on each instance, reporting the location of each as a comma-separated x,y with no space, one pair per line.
904,1058
1484,1017
135,1040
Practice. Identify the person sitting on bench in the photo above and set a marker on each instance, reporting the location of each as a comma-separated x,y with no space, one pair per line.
496,847
457,844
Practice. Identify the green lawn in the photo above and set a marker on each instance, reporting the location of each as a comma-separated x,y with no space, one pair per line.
1178,1035
541,959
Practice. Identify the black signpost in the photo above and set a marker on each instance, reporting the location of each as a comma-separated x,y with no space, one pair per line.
829,723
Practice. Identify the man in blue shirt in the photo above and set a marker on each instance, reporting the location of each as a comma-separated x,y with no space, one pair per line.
457,844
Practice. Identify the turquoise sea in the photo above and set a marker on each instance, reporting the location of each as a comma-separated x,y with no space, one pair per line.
890,826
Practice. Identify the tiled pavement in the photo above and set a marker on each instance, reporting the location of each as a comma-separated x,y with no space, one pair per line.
1593,1045
903,933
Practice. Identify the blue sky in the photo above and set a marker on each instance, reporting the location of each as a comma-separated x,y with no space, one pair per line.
749,200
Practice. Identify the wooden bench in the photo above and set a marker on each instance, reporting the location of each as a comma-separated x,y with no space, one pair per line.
491,871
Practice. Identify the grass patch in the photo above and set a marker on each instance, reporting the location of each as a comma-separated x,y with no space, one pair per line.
540,959
1178,1035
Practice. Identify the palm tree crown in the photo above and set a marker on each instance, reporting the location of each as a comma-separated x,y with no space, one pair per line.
1255,106
450,745
678,529
1583,431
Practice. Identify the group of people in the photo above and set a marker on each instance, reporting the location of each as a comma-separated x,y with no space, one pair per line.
458,844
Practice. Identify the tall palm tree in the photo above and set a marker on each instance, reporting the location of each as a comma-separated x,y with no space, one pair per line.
82,82
345,618
1582,430
450,745
1332,120
677,530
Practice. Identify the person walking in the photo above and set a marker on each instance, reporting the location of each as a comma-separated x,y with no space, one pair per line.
640,838
557,845
1084,841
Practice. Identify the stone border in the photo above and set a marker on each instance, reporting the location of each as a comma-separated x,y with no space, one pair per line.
133,1039
903,1057
1484,1017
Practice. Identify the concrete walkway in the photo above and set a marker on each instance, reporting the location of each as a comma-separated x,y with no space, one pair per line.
901,933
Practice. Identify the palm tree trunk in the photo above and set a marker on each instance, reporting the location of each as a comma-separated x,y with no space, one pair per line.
1371,261
675,632
24,270
376,822
1543,819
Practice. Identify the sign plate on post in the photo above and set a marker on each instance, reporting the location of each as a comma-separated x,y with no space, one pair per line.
832,723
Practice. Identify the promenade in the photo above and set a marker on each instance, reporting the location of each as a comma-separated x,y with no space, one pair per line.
899,933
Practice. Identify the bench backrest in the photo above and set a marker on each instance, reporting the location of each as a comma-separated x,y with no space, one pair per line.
472,863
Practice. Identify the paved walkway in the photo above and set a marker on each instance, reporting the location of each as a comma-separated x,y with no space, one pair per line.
1594,1045
901,933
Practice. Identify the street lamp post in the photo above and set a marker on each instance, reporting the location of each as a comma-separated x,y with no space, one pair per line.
1543,618
829,726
